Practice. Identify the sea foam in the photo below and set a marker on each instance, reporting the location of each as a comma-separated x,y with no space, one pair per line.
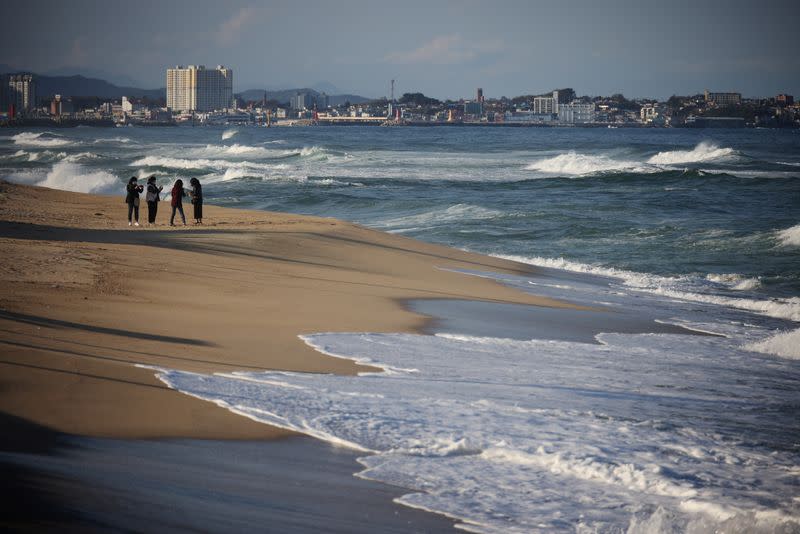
519,436
575,164
681,288
41,139
704,151
784,344
70,176
790,237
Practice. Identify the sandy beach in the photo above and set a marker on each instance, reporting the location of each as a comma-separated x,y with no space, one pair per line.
86,301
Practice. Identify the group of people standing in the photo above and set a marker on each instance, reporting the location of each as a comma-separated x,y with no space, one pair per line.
153,197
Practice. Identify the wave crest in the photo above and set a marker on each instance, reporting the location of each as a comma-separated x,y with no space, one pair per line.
575,164
704,151
783,344
681,288
70,176
45,139
790,237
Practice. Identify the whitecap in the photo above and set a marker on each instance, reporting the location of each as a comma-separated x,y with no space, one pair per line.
735,281
454,213
704,151
576,164
784,344
43,139
70,176
790,237
680,288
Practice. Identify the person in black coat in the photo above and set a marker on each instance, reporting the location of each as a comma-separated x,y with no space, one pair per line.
197,200
152,198
177,202
132,200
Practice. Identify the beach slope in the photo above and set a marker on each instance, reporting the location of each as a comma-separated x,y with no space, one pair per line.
86,301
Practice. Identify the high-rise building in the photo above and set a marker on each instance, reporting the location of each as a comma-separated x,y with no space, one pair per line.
300,101
480,95
22,92
784,100
196,88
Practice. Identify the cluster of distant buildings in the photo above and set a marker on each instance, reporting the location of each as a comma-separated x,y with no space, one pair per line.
200,95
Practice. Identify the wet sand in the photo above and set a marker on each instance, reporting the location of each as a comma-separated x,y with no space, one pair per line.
59,483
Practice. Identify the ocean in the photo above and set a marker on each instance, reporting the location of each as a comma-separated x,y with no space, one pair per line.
689,426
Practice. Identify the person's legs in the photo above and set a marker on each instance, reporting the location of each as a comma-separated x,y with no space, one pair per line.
130,212
152,208
183,217
172,217
136,213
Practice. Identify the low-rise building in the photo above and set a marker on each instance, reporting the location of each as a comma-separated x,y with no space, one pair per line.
723,99
576,113
544,105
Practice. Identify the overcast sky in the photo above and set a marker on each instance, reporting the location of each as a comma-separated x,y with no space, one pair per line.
442,48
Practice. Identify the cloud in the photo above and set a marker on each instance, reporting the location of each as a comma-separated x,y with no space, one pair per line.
446,50
230,30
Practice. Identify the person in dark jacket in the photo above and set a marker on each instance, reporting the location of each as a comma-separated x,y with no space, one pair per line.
132,200
197,200
177,202
153,197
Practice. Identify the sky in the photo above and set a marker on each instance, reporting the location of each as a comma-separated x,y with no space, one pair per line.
442,48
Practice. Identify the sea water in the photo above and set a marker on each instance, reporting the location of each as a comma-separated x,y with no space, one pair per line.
510,428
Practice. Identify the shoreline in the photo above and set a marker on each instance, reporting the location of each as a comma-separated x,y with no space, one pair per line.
81,289
85,301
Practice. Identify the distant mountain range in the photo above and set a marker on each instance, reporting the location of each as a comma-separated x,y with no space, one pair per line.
83,86
284,96
78,85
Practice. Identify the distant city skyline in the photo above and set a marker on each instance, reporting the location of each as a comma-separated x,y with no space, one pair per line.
440,48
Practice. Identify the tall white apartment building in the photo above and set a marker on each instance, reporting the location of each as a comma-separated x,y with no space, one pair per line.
22,88
196,88
545,105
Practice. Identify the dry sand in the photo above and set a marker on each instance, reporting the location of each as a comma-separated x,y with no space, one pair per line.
84,298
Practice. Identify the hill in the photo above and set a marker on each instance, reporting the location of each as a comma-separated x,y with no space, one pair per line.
47,86
283,96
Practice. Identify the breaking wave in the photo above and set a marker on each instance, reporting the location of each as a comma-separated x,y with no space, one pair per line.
736,282
576,164
790,237
232,151
43,139
122,140
705,151
681,288
784,344
199,163
70,176
227,134
455,213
